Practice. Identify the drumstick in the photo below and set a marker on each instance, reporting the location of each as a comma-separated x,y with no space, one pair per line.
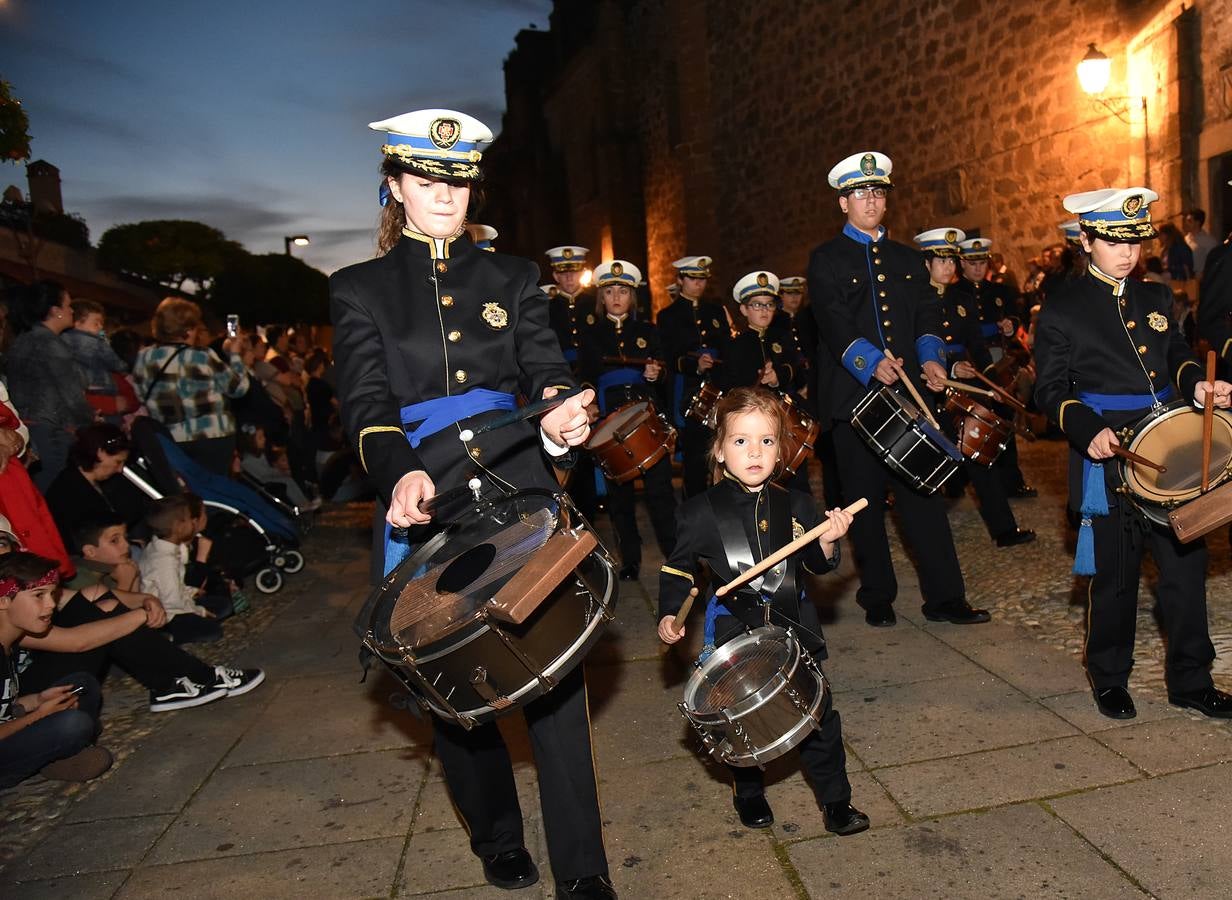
1208,422
1000,391
1140,460
517,415
915,395
785,551
968,388
678,621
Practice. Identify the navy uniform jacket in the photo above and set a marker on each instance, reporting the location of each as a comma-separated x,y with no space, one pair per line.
960,329
1088,340
751,349
992,302
868,299
803,329
569,316
1215,308
632,339
786,513
685,327
409,327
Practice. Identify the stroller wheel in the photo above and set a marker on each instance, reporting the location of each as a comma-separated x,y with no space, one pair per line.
292,561
268,580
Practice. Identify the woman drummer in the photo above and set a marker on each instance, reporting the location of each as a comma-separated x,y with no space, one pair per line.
431,337
1106,355
742,519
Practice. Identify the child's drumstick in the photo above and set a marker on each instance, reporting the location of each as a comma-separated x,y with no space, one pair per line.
785,551
678,621
1208,423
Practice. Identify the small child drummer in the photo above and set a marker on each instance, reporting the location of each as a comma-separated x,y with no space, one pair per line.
740,520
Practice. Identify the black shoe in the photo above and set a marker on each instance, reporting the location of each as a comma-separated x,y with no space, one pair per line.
754,812
1024,490
510,870
1115,703
1015,537
844,819
1209,701
629,572
959,612
593,887
880,616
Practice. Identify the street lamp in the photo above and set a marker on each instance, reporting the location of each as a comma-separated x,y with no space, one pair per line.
1094,73
299,240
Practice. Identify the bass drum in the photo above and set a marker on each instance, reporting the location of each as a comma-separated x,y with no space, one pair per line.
1172,436
494,610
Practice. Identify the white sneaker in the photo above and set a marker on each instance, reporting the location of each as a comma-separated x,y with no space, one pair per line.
236,681
184,694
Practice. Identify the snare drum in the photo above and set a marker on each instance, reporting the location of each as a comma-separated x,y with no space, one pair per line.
631,440
982,434
799,438
493,611
1172,436
702,406
897,432
755,698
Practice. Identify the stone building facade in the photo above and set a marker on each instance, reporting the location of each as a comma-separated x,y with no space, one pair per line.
680,127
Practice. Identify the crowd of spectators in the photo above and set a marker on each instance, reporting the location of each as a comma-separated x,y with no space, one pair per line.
94,571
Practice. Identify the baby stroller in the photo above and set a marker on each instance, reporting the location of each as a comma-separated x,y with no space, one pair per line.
251,535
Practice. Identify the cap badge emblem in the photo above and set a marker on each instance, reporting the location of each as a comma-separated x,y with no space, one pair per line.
618,269
868,164
495,315
762,279
444,133
1132,206
568,253
1157,321
951,236
977,245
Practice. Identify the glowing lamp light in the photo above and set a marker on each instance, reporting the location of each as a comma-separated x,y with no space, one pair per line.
587,275
1094,71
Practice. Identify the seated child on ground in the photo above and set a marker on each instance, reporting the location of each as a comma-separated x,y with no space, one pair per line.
191,615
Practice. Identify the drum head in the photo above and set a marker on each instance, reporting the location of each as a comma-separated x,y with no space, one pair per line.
444,584
738,670
620,420
1174,440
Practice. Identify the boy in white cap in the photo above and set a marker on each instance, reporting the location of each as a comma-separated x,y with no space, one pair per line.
431,338
1106,355
695,333
878,323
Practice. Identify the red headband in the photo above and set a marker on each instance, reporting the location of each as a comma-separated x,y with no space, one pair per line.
9,587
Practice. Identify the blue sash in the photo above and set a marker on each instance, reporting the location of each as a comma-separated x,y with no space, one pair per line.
714,609
428,418
990,329
616,378
1094,489
571,355
955,349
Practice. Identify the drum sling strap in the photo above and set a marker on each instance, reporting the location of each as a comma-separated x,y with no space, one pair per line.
615,378
779,582
1094,489
679,405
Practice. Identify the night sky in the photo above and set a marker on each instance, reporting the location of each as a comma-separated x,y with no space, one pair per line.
248,115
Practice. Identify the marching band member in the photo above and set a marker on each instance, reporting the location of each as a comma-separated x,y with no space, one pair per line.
431,332
876,318
802,327
616,337
960,329
695,334
746,515
1106,355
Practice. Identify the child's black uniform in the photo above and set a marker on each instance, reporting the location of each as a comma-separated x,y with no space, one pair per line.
730,525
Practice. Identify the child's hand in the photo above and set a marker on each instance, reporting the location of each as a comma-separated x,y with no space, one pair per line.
155,612
667,634
55,699
840,521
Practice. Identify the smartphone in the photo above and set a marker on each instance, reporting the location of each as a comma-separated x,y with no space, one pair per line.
233,325
76,690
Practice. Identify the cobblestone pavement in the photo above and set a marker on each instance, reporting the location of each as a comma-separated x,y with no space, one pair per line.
976,751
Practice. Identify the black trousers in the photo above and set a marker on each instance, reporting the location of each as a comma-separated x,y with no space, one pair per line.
695,439
993,502
1112,610
832,493
581,488
146,655
861,474
1006,465
822,756
661,503
479,774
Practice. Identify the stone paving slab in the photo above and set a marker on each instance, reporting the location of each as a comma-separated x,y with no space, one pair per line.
1171,834
101,846
93,886
950,716
1012,852
358,869
278,806
900,655
797,818
1029,665
1009,775
634,717
308,648
1078,708
327,715
1171,745
438,861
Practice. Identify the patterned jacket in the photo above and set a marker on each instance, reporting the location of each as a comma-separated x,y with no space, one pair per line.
189,397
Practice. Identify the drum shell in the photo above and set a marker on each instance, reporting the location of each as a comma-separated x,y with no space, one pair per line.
645,440
772,719
981,433
896,436
702,406
800,437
